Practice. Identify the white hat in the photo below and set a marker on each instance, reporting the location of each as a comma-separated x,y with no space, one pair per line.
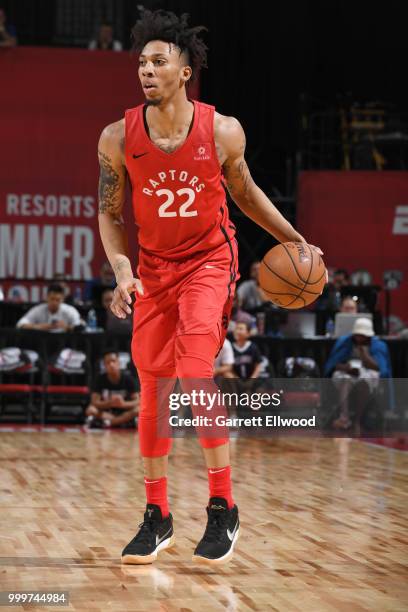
364,327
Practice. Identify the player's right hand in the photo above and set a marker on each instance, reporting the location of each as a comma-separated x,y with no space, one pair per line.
121,296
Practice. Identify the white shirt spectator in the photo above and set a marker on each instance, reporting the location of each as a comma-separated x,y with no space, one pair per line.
225,356
42,314
249,295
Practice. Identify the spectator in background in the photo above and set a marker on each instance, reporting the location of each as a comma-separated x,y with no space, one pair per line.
93,288
341,279
250,294
247,356
349,304
115,397
59,279
53,315
247,367
105,40
357,360
224,361
8,37
107,320
330,299
238,315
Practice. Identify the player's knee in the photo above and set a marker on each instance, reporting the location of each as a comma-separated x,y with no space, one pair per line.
195,355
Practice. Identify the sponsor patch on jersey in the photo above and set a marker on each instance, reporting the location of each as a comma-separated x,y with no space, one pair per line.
202,151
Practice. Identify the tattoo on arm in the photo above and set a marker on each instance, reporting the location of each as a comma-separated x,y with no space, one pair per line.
109,186
120,266
238,178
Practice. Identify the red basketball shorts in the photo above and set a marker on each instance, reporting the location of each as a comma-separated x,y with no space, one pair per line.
191,296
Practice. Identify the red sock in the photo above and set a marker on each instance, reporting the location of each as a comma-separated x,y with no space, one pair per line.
219,482
156,493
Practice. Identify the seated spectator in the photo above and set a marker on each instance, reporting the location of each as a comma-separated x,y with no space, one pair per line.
349,304
60,279
238,315
341,278
330,300
108,321
247,356
8,36
53,315
104,40
224,361
115,398
357,360
94,287
250,294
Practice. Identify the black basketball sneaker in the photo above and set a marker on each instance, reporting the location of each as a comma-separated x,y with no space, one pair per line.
222,531
155,534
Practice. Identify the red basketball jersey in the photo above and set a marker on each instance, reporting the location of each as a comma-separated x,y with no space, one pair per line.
178,198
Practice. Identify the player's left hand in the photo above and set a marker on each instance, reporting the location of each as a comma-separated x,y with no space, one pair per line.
318,251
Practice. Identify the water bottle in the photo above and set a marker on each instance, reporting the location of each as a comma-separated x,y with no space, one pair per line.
329,327
91,322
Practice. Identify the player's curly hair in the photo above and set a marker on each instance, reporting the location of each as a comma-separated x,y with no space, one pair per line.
167,26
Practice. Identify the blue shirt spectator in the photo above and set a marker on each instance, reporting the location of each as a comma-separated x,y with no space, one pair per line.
343,350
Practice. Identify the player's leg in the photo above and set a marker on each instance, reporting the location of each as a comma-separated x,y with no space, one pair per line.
204,309
153,355
194,362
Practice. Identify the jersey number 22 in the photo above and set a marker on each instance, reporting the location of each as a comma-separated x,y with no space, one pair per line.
183,207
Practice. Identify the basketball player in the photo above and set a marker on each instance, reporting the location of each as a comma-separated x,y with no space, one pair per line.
176,152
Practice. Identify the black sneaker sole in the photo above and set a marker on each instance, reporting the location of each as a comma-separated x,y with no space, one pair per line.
145,559
220,560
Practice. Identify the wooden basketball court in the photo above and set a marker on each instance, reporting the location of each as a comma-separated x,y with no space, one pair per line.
324,525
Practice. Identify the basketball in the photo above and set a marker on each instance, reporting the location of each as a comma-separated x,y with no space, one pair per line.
292,275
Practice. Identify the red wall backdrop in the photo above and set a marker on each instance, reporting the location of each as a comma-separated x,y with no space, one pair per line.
360,220
54,104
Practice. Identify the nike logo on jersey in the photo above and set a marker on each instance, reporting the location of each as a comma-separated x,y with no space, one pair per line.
158,540
231,535
141,155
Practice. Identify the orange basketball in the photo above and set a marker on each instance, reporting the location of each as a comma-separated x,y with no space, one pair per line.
292,275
